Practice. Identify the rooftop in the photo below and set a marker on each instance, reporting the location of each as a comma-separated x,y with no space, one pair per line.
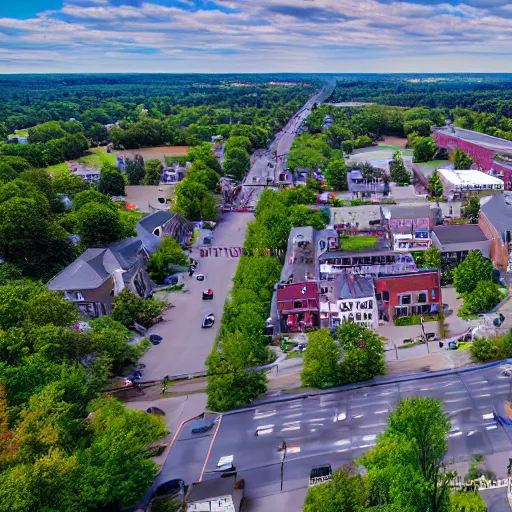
210,489
498,209
470,178
297,290
353,286
459,233
153,220
481,139
408,211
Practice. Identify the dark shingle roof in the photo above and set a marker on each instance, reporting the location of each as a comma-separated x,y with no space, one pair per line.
457,234
153,220
498,209
209,489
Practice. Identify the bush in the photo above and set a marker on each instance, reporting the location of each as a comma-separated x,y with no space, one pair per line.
320,361
471,271
484,297
486,349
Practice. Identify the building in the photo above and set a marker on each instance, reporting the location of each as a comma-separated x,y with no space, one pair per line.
456,240
368,262
223,494
409,226
299,265
459,185
349,298
491,154
360,187
357,220
153,227
89,175
298,306
174,173
495,221
98,275
417,293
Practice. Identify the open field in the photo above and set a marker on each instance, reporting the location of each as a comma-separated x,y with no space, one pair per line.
398,142
158,153
94,158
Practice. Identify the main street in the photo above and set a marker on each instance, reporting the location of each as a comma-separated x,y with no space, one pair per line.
185,344
335,428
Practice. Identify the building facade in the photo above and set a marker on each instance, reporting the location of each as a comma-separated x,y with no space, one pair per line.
298,306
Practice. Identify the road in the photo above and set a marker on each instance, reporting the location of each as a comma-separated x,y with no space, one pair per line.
336,428
185,344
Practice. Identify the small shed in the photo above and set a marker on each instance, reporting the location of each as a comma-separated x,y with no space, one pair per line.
216,495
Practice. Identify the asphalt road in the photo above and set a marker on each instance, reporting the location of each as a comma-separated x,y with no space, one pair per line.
338,427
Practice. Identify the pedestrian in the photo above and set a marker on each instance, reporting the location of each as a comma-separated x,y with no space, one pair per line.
441,344
451,211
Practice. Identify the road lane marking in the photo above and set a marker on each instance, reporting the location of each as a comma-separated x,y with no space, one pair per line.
210,448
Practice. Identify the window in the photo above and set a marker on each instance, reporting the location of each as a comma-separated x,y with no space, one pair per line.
358,316
369,316
422,297
434,294
385,296
297,304
324,289
401,311
404,300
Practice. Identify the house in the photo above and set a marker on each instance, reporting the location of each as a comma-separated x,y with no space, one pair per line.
495,221
89,175
456,240
349,298
409,226
297,306
490,154
360,187
152,227
223,494
97,275
174,173
459,185
417,293
299,265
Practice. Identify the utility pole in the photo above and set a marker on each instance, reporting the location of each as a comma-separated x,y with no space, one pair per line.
282,449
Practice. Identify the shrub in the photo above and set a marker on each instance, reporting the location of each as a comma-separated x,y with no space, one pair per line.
127,309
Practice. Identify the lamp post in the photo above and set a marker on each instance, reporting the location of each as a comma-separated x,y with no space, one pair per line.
282,448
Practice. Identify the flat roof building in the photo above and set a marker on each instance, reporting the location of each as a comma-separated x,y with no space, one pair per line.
457,184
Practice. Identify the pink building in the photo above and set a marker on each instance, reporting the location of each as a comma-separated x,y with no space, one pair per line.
491,154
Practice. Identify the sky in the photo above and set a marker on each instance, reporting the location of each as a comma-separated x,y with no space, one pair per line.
253,36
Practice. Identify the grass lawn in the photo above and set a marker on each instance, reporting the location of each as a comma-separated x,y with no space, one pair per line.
20,133
62,168
434,163
357,243
96,157
396,148
294,354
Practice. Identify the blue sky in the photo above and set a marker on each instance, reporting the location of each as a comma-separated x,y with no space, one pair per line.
255,36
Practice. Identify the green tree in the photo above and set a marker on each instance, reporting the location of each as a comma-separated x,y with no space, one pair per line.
473,269
7,173
399,174
320,361
166,260
135,171
204,153
4,132
200,173
405,468
486,349
209,208
64,183
238,141
467,502
92,196
301,215
127,309
435,185
336,175
461,161
484,296
48,307
112,181
420,126
424,149
154,170
46,132
347,492
98,225
431,258
188,198
236,162
471,209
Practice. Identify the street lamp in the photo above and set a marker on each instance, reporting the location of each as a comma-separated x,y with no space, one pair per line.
282,448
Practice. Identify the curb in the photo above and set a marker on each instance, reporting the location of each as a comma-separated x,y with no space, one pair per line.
370,383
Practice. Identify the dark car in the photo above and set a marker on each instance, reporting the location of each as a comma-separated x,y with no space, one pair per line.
155,339
208,294
200,277
208,321
169,488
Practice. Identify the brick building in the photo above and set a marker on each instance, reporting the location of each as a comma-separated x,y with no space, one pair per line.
416,293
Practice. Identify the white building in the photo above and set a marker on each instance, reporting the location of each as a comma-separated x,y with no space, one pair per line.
216,495
348,298
458,183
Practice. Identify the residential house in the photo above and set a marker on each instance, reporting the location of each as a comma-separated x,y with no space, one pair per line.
298,306
152,227
224,494
349,298
456,240
417,293
409,226
97,275
460,185
174,173
490,154
89,175
495,221
360,187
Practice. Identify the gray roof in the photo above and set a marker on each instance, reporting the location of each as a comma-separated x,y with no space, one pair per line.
481,139
498,209
302,234
353,287
92,268
210,489
153,220
411,211
459,233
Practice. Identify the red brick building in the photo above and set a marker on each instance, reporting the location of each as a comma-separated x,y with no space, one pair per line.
298,306
484,149
417,293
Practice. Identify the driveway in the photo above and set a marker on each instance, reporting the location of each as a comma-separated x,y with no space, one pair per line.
185,344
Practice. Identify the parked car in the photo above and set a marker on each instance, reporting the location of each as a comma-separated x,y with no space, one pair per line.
208,294
169,488
200,277
155,339
203,428
208,321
